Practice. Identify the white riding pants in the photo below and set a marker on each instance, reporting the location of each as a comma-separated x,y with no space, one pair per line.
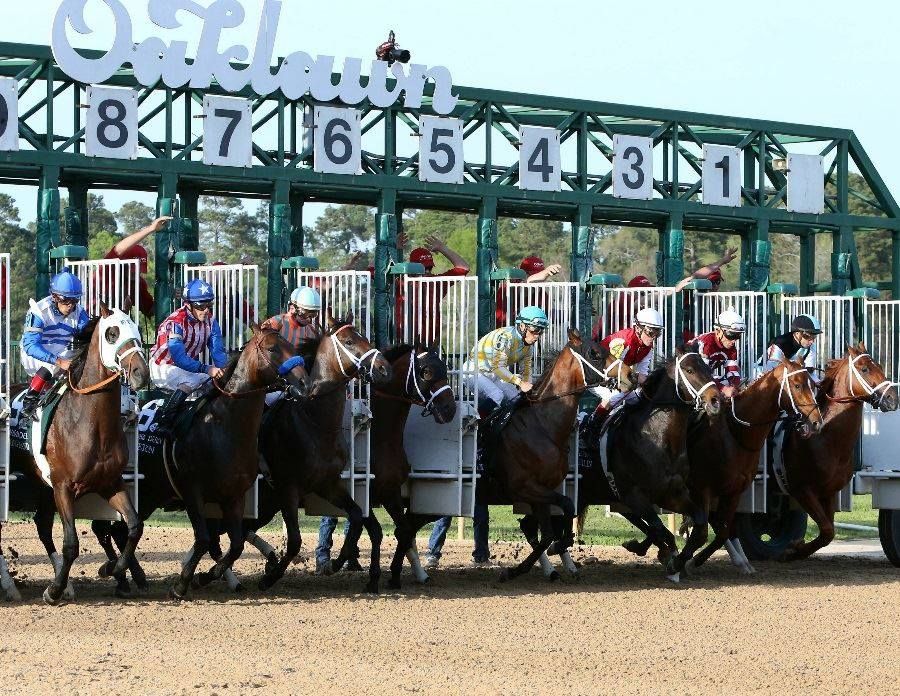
32,365
492,387
172,377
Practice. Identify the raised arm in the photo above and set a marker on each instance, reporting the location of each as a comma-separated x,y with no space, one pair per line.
137,237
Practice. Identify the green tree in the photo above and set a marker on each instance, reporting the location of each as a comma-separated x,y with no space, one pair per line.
19,242
339,232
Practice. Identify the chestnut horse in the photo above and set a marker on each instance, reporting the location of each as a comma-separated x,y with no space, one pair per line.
217,460
817,468
86,449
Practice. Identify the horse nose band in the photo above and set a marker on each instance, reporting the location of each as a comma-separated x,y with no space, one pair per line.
411,377
877,393
681,378
371,355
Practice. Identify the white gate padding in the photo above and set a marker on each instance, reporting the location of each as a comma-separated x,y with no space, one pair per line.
443,456
236,287
618,307
5,399
343,292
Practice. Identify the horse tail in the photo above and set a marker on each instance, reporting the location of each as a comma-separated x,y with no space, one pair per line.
579,521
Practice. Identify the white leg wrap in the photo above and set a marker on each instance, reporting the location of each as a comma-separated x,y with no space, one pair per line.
568,563
263,546
413,557
747,568
733,553
232,580
9,588
546,565
187,557
57,561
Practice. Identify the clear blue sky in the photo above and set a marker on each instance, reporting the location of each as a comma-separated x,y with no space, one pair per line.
827,63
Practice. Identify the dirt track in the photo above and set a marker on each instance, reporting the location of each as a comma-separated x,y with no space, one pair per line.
828,625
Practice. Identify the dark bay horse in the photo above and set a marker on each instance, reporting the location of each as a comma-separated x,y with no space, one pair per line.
817,468
647,455
724,455
531,460
86,449
217,460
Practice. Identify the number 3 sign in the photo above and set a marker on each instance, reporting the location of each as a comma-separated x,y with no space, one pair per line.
111,128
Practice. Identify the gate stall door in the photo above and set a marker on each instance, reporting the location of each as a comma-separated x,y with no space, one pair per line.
835,313
343,292
442,311
236,287
754,308
881,431
618,307
561,302
5,270
114,282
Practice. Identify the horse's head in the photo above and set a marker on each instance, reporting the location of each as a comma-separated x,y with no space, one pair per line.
121,350
598,366
866,380
426,379
797,398
694,382
350,353
274,360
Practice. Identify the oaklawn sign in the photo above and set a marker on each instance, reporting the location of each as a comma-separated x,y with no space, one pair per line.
299,73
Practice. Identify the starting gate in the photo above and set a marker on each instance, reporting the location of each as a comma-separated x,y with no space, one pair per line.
343,292
618,306
880,474
5,270
236,304
754,308
836,315
442,457
114,282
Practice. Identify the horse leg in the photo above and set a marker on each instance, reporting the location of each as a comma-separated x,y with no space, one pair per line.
638,548
43,522
232,520
415,523
102,529
724,519
10,591
215,553
822,512
193,505
119,532
351,540
541,512
290,506
120,501
699,532
530,528
373,529
395,509
563,534
65,506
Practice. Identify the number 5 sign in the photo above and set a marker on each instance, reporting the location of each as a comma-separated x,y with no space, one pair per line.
111,126
227,132
336,141
441,150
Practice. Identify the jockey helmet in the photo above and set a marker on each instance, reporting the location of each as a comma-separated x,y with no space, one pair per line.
198,290
533,316
532,265
729,320
136,251
306,298
807,324
423,256
649,318
640,281
66,284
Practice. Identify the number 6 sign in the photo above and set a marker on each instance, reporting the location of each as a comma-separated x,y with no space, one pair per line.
227,132
111,128
336,141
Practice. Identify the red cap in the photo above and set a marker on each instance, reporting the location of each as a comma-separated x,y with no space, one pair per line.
136,252
371,269
715,277
640,282
423,256
532,265
219,263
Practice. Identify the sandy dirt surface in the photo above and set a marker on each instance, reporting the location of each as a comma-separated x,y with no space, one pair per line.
828,625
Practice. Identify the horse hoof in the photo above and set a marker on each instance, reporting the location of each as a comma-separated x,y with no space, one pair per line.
204,579
271,563
354,566
48,598
554,576
395,584
12,595
674,577
106,569
635,547
505,575
264,584
142,589
372,587
177,596
689,566
239,589
123,590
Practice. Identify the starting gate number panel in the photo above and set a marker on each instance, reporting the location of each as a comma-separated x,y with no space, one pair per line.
721,175
227,131
9,114
441,150
805,183
337,144
632,167
111,127
540,168
5,400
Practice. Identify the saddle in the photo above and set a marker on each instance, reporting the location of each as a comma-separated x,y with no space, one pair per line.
489,431
48,403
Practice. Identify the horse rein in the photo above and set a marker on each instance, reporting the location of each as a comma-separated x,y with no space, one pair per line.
121,372
681,378
784,387
582,362
874,395
278,370
411,376
357,362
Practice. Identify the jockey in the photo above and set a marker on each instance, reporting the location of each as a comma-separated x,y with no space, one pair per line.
300,324
798,344
634,347
501,348
718,348
180,339
49,327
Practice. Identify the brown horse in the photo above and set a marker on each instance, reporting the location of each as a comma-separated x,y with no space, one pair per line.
817,468
724,455
217,460
86,449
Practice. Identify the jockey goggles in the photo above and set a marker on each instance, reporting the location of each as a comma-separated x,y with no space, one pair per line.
732,335
808,336
201,306
652,331
68,301
536,330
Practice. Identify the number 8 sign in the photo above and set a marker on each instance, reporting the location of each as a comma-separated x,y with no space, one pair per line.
336,141
111,128
227,132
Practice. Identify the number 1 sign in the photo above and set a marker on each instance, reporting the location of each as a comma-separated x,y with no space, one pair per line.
721,175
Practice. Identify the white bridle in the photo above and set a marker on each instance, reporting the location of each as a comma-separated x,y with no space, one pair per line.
784,387
681,378
879,390
603,374
411,377
128,331
339,348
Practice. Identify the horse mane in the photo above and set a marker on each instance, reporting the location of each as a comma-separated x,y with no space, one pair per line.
552,356
396,351
81,342
826,386
654,379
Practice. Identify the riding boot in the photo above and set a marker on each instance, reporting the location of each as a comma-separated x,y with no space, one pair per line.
165,417
29,405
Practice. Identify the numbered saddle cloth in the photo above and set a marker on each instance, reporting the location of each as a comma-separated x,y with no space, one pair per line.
31,436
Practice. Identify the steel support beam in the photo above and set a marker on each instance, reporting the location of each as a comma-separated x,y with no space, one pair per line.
189,219
48,233
297,232
280,220
386,254
755,257
582,264
165,246
76,216
487,253
807,263
670,259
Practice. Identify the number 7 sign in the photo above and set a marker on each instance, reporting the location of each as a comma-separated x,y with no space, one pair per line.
227,132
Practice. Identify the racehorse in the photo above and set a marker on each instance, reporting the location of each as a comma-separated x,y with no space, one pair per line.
817,468
724,455
217,460
646,450
531,458
85,445
305,451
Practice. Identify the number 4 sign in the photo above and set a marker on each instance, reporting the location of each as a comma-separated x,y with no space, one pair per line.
539,162
227,132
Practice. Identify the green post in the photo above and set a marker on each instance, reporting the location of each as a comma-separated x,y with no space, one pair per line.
807,262
165,247
756,249
47,228
386,252
670,266
487,254
189,220
297,234
841,260
895,264
280,219
583,264
76,216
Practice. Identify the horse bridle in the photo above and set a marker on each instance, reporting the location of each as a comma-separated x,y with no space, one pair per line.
798,415
874,395
119,371
280,382
681,378
582,362
357,362
412,376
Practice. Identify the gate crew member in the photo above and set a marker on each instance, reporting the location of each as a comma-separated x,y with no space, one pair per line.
798,345
180,340
50,326
130,248
298,326
718,348
536,272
